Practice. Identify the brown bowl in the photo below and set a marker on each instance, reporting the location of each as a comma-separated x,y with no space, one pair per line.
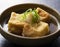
28,40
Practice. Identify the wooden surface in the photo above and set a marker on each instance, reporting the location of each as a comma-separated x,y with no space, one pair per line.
7,3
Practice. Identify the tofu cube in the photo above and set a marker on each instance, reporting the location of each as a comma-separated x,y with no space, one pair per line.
14,24
44,16
41,30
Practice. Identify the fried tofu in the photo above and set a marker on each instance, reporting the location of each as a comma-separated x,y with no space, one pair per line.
14,24
44,16
21,24
41,30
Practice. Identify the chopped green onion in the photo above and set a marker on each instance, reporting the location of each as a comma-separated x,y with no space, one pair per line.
29,10
35,16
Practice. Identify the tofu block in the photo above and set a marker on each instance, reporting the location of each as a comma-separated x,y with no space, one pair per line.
14,24
44,16
41,30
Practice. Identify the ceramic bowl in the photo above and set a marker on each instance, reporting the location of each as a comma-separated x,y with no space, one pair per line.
20,40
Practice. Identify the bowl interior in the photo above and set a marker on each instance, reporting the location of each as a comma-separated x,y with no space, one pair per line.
21,8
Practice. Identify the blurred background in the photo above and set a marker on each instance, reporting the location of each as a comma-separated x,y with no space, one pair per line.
4,4
7,3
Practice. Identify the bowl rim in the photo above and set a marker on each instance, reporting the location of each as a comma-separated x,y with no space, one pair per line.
31,37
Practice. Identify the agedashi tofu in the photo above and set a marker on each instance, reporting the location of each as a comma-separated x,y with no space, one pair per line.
41,30
31,23
44,16
14,24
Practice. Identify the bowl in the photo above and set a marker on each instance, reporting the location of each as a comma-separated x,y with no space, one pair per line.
28,41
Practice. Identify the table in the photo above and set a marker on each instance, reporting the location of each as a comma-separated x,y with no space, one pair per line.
7,3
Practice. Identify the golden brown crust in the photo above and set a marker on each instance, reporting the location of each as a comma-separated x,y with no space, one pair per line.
14,25
44,16
41,30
